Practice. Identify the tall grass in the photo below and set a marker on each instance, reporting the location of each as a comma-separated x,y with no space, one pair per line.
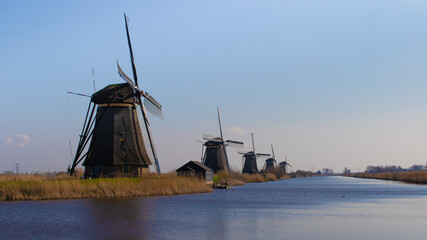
411,177
40,176
236,178
39,189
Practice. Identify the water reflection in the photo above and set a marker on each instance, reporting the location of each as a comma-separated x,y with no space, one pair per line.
118,218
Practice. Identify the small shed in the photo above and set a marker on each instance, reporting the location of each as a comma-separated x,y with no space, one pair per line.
196,169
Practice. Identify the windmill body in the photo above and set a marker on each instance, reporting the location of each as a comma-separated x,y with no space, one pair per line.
119,133
270,166
250,164
117,147
270,163
250,159
283,167
215,156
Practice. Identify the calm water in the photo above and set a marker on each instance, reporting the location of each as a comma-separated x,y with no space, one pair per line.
304,208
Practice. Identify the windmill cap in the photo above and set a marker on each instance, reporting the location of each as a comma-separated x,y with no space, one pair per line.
114,93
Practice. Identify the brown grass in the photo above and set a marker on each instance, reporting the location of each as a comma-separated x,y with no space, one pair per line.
411,177
37,188
235,178
300,173
38,177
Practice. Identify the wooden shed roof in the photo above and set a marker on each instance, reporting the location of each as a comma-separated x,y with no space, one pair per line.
194,166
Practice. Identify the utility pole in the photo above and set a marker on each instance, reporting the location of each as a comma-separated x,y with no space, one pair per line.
17,168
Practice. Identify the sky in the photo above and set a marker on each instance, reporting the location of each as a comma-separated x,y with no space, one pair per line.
331,84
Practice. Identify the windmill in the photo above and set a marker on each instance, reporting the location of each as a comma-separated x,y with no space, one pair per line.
284,166
119,133
270,163
249,159
215,156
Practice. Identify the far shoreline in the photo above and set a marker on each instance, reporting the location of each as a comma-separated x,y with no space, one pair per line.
413,177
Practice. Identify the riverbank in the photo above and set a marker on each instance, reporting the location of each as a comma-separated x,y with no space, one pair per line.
419,177
53,186
239,179
28,187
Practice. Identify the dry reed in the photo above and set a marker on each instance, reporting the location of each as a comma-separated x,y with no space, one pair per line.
411,177
39,189
236,179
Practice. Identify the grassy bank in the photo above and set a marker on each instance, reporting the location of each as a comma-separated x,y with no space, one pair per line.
410,177
236,179
49,186
28,187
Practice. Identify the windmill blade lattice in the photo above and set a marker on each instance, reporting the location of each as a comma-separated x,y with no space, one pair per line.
152,106
146,138
235,144
210,137
150,103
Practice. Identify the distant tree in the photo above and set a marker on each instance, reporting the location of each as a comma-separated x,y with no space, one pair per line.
372,169
379,169
327,171
8,173
416,168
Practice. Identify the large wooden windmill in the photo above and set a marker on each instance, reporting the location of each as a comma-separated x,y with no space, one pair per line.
249,159
119,134
215,155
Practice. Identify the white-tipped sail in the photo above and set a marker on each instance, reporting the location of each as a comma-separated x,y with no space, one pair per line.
210,137
235,144
150,103
152,107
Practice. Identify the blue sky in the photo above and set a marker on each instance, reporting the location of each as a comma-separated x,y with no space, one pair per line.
331,83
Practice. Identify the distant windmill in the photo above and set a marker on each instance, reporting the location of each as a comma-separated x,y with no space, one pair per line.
120,139
215,156
270,163
284,166
249,159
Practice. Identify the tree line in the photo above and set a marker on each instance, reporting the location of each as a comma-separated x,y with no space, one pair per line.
394,168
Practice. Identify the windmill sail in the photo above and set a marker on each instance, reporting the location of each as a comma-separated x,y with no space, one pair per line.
210,137
152,106
135,77
126,78
236,144
150,103
263,154
155,107
149,151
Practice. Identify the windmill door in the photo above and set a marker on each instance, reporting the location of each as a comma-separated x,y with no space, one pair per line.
96,171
